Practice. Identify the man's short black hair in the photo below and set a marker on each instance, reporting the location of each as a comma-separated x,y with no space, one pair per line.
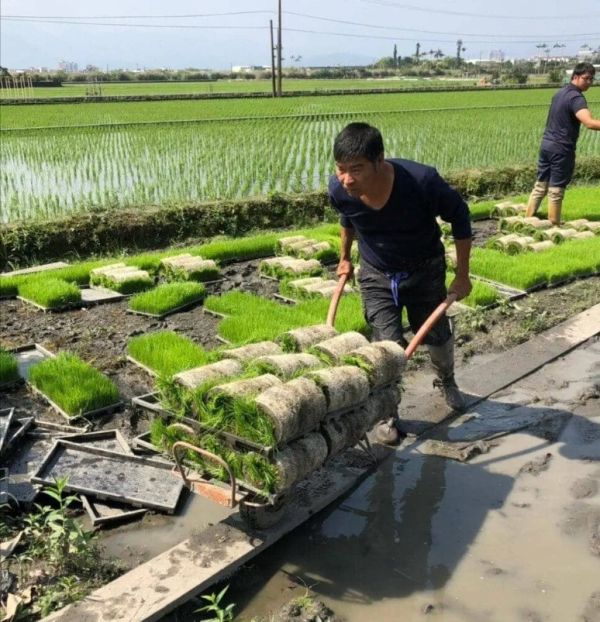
358,140
581,69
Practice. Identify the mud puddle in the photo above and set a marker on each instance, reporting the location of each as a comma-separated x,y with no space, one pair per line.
459,542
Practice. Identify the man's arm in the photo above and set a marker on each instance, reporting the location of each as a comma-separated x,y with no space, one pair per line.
461,285
345,265
585,116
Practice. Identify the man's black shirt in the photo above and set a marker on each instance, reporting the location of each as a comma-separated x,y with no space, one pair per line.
404,230
562,126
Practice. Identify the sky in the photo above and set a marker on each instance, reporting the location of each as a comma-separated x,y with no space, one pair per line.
219,34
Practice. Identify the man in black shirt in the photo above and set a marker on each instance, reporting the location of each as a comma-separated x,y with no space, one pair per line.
556,163
390,206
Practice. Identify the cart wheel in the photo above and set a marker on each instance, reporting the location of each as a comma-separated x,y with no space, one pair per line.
261,514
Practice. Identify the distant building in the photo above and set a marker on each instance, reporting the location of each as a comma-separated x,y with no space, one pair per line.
585,53
67,65
248,68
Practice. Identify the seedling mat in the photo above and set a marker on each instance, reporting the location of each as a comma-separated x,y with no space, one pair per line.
156,316
139,481
30,355
511,293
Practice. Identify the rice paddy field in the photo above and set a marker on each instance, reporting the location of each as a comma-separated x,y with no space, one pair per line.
59,159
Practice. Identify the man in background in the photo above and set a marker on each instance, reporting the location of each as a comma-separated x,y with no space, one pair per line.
568,111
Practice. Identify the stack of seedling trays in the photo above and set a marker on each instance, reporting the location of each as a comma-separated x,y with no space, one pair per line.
307,248
11,430
121,278
508,208
268,415
310,287
286,267
187,267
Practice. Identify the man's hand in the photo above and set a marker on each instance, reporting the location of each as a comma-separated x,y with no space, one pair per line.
461,286
345,267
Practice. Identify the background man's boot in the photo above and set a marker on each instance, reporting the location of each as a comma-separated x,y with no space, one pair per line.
536,197
555,199
442,359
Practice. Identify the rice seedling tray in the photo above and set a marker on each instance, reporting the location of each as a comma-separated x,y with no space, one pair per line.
29,355
216,314
511,293
91,296
289,301
111,440
16,430
6,418
105,410
45,429
147,369
109,513
109,475
40,268
143,443
157,316
67,307
151,403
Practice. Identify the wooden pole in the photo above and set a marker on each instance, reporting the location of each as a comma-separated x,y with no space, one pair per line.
279,49
273,61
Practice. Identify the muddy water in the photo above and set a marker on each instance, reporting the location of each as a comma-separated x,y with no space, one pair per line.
461,542
155,533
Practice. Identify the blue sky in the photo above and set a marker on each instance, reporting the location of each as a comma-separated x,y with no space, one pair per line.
331,32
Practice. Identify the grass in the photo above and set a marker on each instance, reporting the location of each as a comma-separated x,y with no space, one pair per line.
73,385
9,370
167,353
51,293
573,258
167,297
247,312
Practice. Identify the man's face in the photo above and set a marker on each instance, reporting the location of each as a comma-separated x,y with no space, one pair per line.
583,82
356,175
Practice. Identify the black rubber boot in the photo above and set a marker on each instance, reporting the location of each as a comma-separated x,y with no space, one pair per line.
442,359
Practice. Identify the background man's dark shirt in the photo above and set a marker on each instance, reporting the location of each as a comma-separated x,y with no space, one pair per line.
405,229
562,126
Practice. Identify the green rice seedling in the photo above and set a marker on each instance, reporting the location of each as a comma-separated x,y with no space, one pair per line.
259,472
174,397
359,361
227,249
50,293
74,385
9,369
167,353
246,312
482,294
167,297
9,286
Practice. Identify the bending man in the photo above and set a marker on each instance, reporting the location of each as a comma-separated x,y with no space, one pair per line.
556,162
390,206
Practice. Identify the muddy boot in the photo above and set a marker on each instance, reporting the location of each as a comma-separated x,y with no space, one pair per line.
555,199
442,359
536,197
387,432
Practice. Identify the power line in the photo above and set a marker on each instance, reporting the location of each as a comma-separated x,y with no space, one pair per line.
431,32
182,16
412,7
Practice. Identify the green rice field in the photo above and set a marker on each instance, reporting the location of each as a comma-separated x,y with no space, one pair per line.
188,151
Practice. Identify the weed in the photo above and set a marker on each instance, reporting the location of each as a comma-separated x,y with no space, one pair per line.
215,607
65,590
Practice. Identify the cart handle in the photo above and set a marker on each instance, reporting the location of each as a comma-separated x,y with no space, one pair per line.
335,300
429,323
206,454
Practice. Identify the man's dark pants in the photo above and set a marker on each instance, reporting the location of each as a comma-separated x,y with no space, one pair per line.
423,289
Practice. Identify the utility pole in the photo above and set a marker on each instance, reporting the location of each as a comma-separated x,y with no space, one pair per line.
279,49
273,61
418,53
